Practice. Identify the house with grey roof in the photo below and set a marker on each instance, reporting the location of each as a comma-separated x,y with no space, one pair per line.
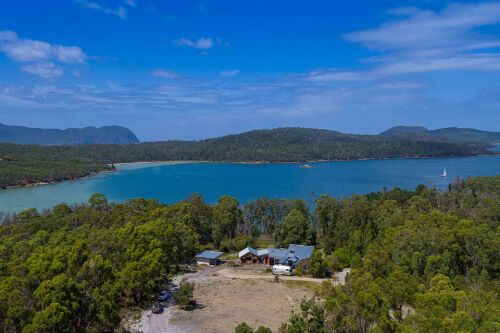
208,257
296,255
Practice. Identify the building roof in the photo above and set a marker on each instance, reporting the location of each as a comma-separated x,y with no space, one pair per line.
209,254
246,250
294,253
301,251
278,254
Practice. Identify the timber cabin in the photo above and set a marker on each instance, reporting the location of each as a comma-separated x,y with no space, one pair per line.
294,256
207,257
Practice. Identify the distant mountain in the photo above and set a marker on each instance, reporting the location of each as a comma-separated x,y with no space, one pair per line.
403,130
443,134
70,136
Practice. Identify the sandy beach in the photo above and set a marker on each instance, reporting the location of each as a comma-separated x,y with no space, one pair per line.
141,165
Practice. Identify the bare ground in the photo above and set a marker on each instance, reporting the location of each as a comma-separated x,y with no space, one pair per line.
228,297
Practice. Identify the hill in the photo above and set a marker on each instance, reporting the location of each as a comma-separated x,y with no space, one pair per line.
70,136
27,164
443,134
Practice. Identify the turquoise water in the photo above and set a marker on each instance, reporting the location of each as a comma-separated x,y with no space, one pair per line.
171,183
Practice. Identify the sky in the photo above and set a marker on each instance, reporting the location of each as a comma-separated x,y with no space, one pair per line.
196,69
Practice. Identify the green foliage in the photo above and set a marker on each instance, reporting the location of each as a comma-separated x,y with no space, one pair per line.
72,270
262,329
98,200
309,320
317,266
338,260
243,328
295,229
226,216
185,294
237,243
421,261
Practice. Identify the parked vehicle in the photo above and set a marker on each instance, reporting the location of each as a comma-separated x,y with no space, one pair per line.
282,270
157,308
164,296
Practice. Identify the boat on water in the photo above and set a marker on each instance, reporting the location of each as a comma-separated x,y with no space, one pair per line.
444,173
306,166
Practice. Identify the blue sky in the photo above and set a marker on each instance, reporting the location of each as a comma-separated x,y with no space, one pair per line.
197,69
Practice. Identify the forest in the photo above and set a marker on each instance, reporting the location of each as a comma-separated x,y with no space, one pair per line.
422,260
26,164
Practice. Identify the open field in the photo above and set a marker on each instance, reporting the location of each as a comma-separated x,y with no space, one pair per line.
227,297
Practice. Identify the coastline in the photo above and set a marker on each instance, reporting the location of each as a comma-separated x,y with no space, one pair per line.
125,166
148,164
36,184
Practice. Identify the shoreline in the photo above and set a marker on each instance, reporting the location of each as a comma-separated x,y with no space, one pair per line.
126,166
147,164
36,184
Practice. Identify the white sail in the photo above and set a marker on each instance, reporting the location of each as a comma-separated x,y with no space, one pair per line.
444,173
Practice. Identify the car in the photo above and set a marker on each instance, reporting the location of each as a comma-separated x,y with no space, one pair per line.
157,308
164,296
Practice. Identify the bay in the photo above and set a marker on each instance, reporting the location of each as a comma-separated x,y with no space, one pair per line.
174,182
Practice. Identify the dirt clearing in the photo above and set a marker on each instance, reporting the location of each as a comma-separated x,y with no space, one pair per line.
226,302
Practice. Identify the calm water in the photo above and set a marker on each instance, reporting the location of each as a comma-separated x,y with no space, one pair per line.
171,183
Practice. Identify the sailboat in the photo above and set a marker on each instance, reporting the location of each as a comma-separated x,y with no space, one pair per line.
444,173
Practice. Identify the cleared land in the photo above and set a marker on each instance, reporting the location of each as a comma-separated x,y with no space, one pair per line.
229,296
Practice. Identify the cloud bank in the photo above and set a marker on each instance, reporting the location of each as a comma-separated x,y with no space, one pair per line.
40,53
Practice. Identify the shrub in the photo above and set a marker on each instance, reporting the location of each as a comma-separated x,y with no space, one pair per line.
185,294
243,328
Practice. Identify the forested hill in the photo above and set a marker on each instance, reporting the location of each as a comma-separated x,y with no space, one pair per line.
445,134
25,164
69,136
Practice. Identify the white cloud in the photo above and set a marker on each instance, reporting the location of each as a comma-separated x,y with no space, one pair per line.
119,11
130,3
422,41
166,74
7,35
200,43
26,50
40,54
68,54
229,73
47,70
423,32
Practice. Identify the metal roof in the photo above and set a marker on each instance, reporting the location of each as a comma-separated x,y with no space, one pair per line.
246,250
209,254
294,253
301,251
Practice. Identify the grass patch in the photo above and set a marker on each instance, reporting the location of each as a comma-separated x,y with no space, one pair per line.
228,256
305,285
264,241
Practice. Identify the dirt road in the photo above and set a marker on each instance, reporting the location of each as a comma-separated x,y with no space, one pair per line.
162,323
232,273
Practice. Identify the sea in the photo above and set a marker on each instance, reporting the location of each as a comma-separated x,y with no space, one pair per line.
173,182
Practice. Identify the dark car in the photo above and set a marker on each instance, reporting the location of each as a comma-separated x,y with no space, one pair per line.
157,308
164,296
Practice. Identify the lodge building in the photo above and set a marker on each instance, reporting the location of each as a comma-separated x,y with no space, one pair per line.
296,255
